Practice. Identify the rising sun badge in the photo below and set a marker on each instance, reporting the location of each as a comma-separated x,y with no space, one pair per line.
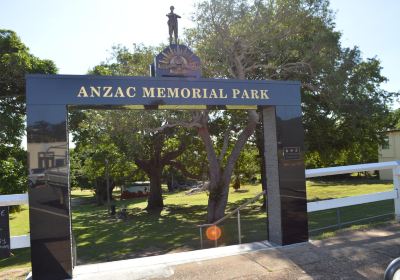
178,60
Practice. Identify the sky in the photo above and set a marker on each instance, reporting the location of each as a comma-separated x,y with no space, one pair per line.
79,34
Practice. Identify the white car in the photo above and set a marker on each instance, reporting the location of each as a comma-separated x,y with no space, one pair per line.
36,177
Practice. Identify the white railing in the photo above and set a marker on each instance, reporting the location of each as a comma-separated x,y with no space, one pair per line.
13,199
21,241
360,199
337,203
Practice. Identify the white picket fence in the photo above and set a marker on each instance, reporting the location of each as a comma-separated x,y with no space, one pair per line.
23,241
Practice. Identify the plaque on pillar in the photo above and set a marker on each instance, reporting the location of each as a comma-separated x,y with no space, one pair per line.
4,233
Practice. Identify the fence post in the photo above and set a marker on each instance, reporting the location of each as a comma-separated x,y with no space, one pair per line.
396,187
339,219
201,237
239,227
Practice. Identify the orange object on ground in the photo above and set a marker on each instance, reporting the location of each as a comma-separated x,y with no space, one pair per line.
213,233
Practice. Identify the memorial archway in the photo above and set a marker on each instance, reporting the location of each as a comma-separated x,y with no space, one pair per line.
48,99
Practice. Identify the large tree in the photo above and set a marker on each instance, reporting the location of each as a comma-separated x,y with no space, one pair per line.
135,137
345,110
222,158
96,155
15,62
222,149
139,135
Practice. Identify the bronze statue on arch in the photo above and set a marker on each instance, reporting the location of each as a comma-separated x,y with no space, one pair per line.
173,25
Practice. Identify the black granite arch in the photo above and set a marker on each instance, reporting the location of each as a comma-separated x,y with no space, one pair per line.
48,98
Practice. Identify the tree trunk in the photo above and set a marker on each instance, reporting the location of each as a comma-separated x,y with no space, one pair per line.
217,201
220,177
260,147
101,190
155,199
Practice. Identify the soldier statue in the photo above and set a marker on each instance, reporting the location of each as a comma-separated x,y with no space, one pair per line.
173,25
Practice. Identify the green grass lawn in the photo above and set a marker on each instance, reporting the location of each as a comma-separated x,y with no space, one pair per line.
101,238
174,229
19,225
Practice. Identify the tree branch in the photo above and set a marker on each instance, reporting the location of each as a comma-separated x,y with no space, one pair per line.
214,166
194,123
143,164
173,154
224,145
182,168
244,135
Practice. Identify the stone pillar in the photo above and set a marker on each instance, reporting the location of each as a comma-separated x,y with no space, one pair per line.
284,161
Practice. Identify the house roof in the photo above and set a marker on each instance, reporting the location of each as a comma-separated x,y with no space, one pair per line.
393,130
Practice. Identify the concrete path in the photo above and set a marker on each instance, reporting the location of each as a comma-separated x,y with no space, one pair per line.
362,254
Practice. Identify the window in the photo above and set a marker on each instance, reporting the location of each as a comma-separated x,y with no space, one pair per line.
59,162
385,144
46,160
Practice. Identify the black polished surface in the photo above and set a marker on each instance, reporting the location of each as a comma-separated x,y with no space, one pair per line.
47,99
49,210
4,232
290,137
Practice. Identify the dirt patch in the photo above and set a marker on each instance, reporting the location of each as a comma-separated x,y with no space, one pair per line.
15,274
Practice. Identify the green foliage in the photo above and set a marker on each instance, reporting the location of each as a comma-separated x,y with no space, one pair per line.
141,138
395,115
94,146
15,63
125,62
345,110
13,170
247,166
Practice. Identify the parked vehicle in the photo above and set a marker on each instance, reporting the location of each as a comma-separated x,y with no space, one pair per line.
393,270
36,177
136,189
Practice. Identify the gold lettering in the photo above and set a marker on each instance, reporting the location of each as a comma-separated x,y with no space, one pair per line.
128,91
82,92
222,94
161,92
173,93
95,91
148,92
254,94
187,93
196,92
107,92
119,93
213,94
264,94
245,94
235,92
205,93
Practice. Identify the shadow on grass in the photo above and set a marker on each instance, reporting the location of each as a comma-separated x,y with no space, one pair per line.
329,182
19,258
241,191
102,238
326,218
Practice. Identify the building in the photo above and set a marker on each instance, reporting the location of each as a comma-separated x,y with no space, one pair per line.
47,155
389,151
